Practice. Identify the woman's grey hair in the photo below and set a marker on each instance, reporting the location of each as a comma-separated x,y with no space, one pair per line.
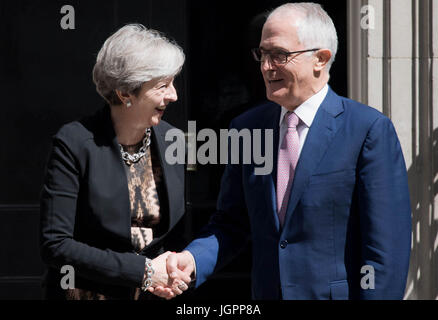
315,29
132,56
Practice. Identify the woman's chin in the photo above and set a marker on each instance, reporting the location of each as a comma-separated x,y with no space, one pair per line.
155,120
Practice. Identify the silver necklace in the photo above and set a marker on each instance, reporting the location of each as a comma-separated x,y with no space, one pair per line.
135,157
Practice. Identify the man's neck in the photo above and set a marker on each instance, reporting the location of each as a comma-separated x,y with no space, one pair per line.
312,91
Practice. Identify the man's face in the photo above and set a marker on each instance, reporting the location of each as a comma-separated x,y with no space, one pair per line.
292,83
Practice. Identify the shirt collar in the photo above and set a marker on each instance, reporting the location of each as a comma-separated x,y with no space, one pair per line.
307,110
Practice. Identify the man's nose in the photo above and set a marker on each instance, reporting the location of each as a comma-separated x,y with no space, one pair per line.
266,64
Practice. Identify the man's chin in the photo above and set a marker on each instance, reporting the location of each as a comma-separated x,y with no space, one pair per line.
278,99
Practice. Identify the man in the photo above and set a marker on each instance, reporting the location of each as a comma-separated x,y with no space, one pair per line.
332,221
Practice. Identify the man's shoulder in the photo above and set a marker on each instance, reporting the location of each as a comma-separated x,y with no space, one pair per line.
360,112
361,108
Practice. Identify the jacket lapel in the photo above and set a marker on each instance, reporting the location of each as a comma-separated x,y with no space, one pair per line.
318,139
270,180
173,182
119,175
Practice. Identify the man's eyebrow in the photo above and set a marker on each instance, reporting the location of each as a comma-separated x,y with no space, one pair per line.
273,49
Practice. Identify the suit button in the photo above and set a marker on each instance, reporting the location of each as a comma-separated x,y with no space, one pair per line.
283,244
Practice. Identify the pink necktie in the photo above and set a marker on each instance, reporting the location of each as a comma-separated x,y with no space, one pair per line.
287,162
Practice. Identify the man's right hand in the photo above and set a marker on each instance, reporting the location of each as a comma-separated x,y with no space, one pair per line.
177,262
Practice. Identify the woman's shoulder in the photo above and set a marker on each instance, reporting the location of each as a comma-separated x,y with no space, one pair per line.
73,130
71,139
86,127
76,133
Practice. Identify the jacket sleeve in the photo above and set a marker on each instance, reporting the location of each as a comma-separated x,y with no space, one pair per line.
58,213
228,229
384,212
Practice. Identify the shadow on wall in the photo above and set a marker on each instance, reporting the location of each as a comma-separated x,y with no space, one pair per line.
422,281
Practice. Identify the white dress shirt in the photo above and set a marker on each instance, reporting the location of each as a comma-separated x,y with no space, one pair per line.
306,113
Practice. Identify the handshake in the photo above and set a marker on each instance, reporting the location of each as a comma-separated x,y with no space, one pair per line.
172,274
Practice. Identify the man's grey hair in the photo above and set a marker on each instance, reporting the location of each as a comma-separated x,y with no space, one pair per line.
132,56
315,29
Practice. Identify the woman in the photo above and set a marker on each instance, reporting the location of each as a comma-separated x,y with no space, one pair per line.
110,202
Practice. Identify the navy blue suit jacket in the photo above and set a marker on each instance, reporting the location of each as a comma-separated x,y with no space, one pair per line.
349,207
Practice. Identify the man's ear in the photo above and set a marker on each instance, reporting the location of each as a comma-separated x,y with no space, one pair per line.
123,96
323,57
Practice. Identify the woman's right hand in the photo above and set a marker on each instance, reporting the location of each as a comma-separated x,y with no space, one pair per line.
169,287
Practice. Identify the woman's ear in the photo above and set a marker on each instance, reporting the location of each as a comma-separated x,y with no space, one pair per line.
124,97
323,57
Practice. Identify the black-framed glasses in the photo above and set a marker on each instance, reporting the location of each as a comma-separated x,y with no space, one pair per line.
277,57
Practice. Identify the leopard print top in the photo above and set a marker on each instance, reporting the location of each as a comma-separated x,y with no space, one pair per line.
145,178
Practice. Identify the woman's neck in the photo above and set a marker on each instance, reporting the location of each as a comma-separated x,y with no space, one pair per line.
126,126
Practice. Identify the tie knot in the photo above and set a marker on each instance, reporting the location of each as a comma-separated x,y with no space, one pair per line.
292,120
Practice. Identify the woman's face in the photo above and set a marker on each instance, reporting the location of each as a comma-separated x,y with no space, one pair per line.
152,100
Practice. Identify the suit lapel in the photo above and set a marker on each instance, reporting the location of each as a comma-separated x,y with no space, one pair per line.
171,179
318,139
119,175
270,180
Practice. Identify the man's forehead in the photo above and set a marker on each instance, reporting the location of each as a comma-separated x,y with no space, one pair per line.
286,15
279,33
289,19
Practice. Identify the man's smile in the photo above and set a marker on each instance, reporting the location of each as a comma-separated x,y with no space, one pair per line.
274,80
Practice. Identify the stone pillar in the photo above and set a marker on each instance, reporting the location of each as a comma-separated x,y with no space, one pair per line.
393,67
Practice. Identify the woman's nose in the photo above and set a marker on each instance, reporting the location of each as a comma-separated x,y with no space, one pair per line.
171,94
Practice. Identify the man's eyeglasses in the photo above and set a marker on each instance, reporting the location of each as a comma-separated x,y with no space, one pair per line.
277,57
